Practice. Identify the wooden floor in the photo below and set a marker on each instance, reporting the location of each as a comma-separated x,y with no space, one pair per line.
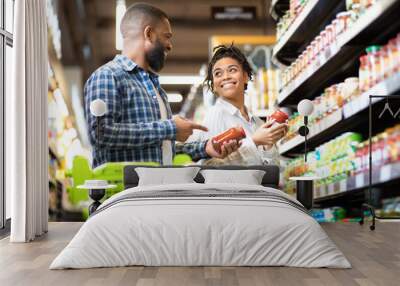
375,257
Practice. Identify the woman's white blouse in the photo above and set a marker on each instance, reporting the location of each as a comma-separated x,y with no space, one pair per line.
222,116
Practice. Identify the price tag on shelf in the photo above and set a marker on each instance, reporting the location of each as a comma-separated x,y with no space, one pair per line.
386,173
360,180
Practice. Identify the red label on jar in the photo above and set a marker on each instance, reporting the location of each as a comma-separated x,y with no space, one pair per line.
280,116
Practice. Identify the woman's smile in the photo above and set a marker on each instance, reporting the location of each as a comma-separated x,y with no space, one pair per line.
228,85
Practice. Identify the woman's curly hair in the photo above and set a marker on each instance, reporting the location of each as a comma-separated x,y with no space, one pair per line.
223,51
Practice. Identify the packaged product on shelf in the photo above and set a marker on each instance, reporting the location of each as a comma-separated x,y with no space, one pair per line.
273,76
333,98
379,63
374,64
262,88
356,10
263,91
363,74
384,63
332,161
350,89
350,3
368,3
394,54
336,26
344,21
295,8
385,150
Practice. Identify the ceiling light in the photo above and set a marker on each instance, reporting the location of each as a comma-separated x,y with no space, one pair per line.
120,11
181,79
174,97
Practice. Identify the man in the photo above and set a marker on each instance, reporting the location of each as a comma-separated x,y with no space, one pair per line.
138,125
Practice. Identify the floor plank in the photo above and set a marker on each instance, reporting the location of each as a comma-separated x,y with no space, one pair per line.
375,257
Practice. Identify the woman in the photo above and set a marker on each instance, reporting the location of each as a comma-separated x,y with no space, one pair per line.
227,76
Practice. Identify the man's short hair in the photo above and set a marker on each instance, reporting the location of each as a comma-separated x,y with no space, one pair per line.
140,15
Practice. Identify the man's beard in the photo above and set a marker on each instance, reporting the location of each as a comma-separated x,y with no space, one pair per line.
156,57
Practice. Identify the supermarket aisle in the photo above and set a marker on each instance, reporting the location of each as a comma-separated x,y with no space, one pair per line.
375,257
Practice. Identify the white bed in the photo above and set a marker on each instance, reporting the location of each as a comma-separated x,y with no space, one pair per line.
222,225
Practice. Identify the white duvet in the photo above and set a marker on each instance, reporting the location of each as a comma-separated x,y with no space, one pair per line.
188,231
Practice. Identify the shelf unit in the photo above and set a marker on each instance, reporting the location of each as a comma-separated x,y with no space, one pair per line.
299,34
376,26
353,113
335,64
381,175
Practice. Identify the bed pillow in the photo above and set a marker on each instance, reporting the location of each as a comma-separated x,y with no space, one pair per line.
248,177
166,176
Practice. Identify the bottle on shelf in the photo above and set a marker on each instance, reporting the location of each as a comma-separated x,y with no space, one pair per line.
374,64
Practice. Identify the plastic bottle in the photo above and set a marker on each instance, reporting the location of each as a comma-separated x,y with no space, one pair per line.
373,54
394,56
350,88
363,74
344,21
385,64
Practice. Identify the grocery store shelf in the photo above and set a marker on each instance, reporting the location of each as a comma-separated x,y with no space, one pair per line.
278,8
374,26
386,87
307,25
380,175
334,124
315,130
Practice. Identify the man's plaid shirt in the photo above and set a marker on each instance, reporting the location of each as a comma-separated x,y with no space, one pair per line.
132,129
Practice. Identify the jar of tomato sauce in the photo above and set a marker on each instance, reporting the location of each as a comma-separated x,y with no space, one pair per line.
234,133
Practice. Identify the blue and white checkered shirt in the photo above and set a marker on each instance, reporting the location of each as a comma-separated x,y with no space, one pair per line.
132,129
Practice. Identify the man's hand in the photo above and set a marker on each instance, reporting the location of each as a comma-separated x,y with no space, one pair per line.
268,135
184,128
226,148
